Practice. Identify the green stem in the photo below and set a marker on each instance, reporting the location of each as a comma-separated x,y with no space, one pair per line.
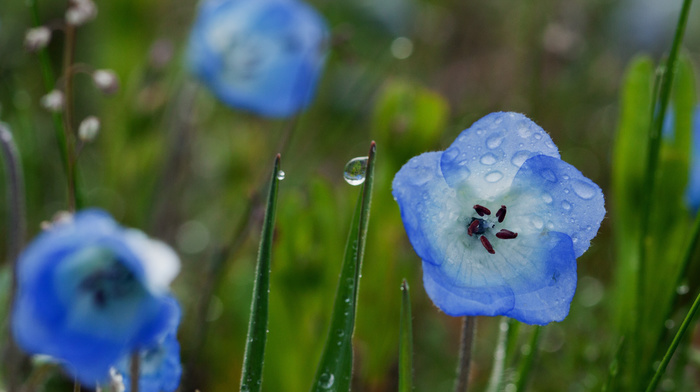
465,353
68,57
499,356
526,363
406,341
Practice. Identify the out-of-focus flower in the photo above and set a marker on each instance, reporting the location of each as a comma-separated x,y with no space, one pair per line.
259,55
159,365
80,12
37,38
106,80
91,292
693,191
88,128
499,220
53,101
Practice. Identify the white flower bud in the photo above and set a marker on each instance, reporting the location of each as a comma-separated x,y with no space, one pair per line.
116,380
53,101
80,12
37,38
106,80
88,128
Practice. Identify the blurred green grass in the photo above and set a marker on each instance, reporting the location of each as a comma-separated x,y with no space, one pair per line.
173,161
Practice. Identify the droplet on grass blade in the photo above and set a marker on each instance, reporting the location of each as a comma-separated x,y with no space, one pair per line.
354,173
280,175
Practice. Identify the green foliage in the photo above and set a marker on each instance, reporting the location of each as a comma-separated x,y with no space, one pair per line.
405,342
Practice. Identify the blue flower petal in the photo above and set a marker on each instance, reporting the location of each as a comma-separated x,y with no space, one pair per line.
531,278
429,207
692,193
260,55
65,309
486,156
551,195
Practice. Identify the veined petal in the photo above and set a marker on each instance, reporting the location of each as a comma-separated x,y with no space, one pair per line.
430,209
531,278
486,156
551,195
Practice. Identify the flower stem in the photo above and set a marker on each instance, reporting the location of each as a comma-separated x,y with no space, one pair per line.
135,365
69,136
17,223
465,353
499,356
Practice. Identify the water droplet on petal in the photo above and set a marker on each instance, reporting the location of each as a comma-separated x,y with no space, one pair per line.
524,132
566,205
546,197
538,136
548,175
537,222
494,141
326,380
565,177
488,159
493,176
281,175
450,154
354,173
550,225
583,190
519,158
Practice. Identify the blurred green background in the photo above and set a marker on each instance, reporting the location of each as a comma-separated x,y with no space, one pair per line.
410,74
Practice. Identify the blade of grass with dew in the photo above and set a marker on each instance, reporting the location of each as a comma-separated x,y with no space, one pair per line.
334,371
614,368
254,357
406,341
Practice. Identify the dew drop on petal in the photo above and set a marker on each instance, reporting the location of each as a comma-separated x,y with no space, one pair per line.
281,175
538,136
537,222
354,173
548,175
524,132
546,197
450,154
493,176
488,159
550,225
583,190
566,205
519,158
494,141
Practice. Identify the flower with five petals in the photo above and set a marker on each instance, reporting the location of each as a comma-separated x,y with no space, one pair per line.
499,220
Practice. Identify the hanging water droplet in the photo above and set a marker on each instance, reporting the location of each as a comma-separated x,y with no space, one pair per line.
494,141
326,380
583,190
354,173
566,205
488,159
280,175
682,289
493,176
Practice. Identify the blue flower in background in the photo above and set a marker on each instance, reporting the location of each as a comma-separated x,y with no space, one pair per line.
260,55
159,366
693,191
90,292
499,220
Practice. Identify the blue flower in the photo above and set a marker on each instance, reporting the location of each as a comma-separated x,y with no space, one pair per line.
499,220
159,366
692,193
260,55
90,292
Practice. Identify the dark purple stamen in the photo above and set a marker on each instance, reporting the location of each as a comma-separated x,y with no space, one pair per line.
501,214
481,210
485,242
473,227
506,234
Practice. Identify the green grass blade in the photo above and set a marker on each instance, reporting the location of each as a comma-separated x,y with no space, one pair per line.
334,372
406,341
254,357
526,363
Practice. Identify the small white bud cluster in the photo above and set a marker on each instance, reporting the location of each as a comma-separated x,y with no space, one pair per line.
53,101
80,12
106,80
88,128
116,380
37,38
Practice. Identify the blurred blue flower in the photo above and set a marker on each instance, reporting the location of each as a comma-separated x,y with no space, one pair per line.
260,55
692,193
499,220
90,292
159,366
